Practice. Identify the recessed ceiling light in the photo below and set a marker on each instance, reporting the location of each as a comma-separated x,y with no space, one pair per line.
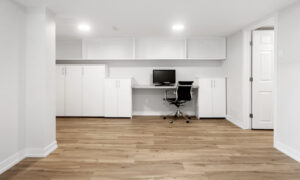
84,27
178,27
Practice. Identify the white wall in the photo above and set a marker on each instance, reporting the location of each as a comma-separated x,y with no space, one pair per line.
150,102
40,81
287,122
233,67
12,52
27,78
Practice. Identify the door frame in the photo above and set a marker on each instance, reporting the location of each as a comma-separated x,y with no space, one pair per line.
247,69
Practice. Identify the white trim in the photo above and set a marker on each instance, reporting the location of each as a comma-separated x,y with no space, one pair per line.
289,151
247,64
31,152
44,152
235,122
11,161
157,113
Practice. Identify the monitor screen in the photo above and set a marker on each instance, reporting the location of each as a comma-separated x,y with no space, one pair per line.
164,77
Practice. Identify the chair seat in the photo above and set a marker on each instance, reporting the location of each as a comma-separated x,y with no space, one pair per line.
171,99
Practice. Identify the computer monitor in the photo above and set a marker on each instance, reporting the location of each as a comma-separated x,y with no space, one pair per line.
164,77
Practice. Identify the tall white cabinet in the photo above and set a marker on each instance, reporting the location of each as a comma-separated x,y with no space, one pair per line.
212,98
80,90
60,90
118,97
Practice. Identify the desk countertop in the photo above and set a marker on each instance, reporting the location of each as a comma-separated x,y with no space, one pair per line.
156,87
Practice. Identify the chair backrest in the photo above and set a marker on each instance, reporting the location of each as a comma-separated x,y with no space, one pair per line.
184,90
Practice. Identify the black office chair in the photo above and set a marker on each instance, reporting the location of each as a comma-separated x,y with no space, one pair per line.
183,94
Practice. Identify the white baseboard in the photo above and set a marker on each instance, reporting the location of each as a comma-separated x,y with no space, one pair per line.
289,151
40,153
155,113
237,123
29,152
11,161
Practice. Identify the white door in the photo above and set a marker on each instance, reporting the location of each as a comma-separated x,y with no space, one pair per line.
219,97
124,98
73,91
205,98
111,98
60,90
93,90
263,69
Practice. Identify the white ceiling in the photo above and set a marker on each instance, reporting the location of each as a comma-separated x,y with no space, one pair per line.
155,17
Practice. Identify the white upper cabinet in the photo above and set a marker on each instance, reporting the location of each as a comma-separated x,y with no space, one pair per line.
108,49
201,48
160,49
213,48
68,49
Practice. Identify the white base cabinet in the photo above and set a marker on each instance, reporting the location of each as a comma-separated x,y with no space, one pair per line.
212,98
118,97
80,90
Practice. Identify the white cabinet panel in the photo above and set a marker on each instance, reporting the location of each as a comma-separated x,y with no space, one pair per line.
160,49
73,91
219,97
111,98
212,98
69,49
60,90
124,98
112,48
206,48
118,98
205,98
93,90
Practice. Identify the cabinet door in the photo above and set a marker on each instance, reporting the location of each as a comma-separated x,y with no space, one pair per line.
111,98
93,90
207,48
60,90
110,48
73,91
124,98
219,97
205,109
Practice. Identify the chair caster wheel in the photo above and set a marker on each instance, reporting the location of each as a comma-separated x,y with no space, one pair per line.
189,118
187,122
165,117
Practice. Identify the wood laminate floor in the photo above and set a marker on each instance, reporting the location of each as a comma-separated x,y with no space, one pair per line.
146,148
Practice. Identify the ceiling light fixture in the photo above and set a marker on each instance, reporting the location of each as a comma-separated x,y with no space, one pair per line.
178,27
84,27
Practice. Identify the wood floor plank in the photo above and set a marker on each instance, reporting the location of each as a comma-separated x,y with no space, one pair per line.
147,148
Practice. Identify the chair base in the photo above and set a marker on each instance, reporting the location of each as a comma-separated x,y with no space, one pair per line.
178,114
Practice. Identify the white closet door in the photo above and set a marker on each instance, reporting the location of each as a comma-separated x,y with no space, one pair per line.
124,98
93,90
73,91
205,98
111,98
219,97
263,74
60,90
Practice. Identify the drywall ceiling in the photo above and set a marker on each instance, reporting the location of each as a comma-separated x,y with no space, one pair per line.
155,17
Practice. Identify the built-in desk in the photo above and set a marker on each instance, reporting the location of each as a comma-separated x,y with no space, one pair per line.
156,87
